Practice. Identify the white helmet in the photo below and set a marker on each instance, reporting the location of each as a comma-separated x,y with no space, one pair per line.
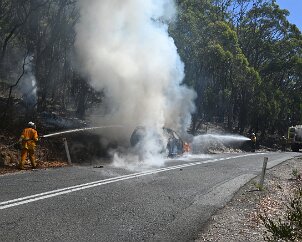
31,124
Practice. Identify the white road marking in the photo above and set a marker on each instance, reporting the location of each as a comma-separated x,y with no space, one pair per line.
66,190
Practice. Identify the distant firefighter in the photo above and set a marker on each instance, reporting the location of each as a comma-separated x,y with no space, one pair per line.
186,147
283,142
28,140
254,140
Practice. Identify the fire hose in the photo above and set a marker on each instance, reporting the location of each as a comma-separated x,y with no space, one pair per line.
65,132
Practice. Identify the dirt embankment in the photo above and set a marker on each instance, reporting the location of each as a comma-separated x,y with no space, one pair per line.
50,152
48,155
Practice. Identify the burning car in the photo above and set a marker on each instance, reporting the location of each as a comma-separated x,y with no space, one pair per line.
169,142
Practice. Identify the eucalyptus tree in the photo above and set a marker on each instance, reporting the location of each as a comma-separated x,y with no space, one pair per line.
215,64
14,16
42,30
189,33
273,47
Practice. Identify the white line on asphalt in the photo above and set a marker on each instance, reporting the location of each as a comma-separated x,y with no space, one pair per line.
66,190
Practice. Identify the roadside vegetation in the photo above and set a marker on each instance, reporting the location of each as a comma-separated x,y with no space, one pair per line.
243,59
289,226
272,214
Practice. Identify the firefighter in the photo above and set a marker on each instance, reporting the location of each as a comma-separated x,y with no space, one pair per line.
254,140
186,148
283,143
28,140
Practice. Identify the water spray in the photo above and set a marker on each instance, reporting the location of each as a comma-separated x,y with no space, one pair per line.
225,137
203,143
78,130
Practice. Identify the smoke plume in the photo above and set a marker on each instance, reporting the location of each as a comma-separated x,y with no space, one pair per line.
28,85
125,50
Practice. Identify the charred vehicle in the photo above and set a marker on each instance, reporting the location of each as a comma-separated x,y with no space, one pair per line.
169,143
295,137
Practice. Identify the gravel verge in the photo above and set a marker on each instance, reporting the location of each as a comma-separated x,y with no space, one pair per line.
239,219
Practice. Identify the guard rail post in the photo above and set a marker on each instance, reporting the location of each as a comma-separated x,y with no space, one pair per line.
67,151
263,172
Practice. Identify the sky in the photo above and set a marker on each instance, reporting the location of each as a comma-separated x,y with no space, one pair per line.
295,9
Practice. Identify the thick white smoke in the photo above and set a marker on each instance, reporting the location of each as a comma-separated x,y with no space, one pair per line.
28,85
125,49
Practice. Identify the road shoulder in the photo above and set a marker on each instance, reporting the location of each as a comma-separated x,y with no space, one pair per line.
239,220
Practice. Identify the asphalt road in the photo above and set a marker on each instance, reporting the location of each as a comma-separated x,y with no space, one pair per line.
83,203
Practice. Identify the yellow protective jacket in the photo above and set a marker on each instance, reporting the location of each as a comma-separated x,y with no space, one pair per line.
253,138
186,147
29,137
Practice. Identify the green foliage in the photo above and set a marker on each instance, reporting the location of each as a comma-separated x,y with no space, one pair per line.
258,186
288,228
252,51
45,32
242,57
296,174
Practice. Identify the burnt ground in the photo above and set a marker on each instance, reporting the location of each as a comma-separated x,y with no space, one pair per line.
47,155
84,147
50,152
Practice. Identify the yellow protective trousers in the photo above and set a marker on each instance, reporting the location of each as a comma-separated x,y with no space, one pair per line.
24,154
